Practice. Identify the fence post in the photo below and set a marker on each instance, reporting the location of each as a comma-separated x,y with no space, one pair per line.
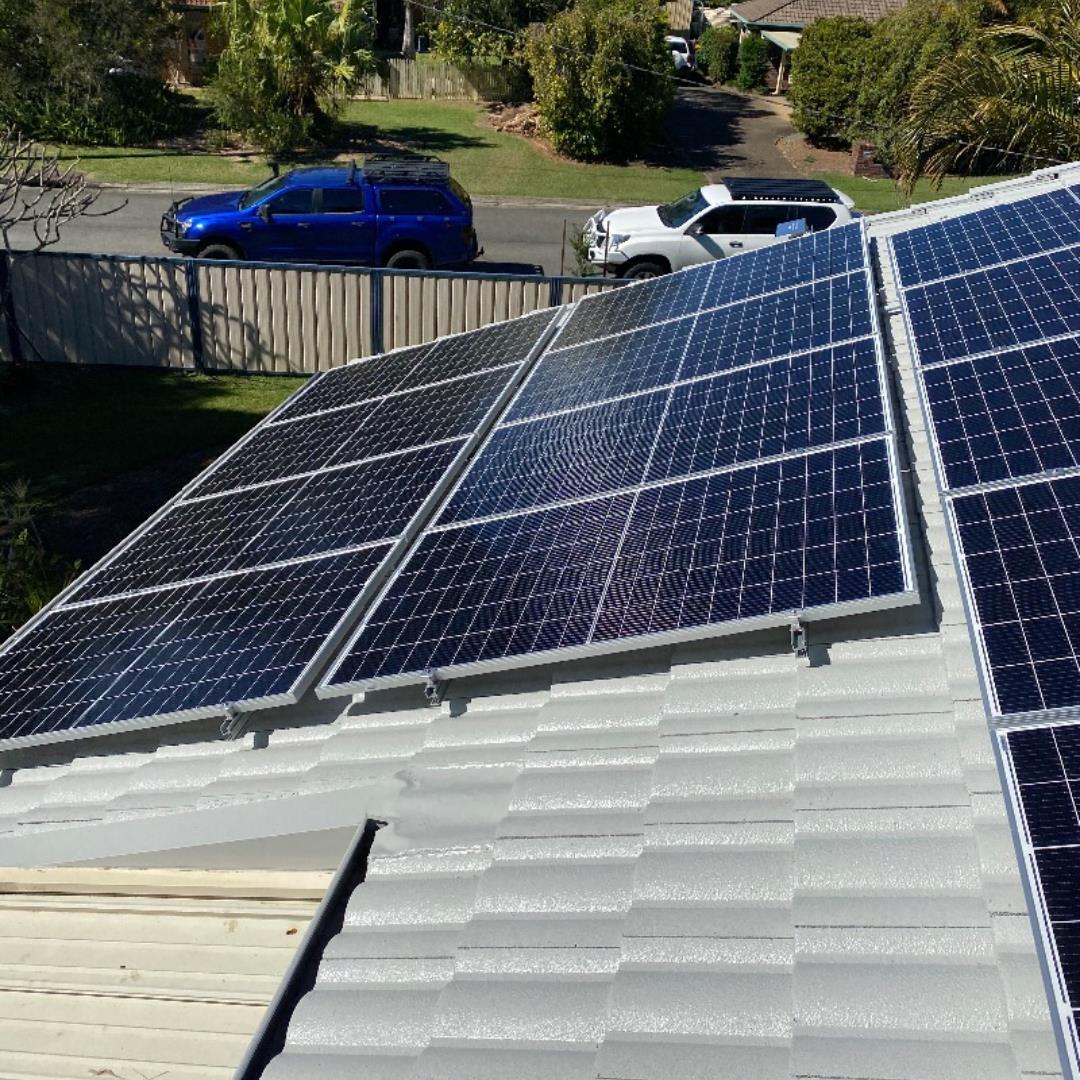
376,312
191,273
555,292
11,323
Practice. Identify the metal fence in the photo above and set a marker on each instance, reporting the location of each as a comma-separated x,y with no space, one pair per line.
431,78
243,316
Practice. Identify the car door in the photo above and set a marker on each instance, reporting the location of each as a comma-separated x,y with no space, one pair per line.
286,222
715,234
421,216
343,229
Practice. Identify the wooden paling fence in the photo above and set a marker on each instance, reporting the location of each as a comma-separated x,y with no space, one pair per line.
253,317
430,78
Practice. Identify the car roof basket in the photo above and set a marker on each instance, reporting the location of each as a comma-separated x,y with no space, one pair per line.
423,170
749,189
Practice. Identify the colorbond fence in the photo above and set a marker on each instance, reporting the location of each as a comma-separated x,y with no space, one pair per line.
255,317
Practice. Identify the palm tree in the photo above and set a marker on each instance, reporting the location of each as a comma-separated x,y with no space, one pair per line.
1009,100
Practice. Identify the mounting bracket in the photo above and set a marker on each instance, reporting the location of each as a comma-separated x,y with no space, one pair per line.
233,724
434,688
799,644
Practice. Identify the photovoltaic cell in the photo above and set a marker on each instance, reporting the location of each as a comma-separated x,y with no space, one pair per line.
348,507
195,647
995,235
1045,781
629,363
1020,548
995,309
781,266
349,385
1007,415
784,407
808,317
813,530
566,456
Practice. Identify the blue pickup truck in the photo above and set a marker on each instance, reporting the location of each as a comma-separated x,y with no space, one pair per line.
406,213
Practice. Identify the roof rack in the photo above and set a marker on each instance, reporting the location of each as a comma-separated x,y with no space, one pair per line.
749,189
424,170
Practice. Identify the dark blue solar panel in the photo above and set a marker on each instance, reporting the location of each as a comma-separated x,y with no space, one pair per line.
793,534
194,647
1020,548
513,586
784,407
569,455
604,369
997,309
995,234
803,532
413,418
808,317
779,266
1046,781
347,507
1007,415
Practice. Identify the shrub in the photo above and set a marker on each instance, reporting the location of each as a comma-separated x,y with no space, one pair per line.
717,52
753,62
601,78
826,70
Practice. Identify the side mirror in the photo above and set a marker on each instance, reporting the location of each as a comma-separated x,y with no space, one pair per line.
265,212
697,229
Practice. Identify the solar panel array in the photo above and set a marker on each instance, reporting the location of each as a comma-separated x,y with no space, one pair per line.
711,450
992,303
234,593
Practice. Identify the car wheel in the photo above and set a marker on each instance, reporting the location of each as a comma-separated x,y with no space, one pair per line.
642,271
408,259
218,251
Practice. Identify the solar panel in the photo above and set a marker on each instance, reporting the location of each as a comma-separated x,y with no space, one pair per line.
180,652
231,596
537,549
995,235
815,257
996,350
1043,769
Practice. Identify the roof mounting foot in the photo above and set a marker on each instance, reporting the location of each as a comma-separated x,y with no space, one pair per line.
434,688
233,724
799,645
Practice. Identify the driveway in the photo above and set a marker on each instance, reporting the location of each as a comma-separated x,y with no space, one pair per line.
723,131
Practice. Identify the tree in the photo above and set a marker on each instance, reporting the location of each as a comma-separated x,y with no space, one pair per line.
717,52
287,66
903,47
486,31
86,71
602,78
826,71
1007,100
753,62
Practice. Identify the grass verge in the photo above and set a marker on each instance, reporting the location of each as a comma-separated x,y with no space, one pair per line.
66,428
878,196
484,161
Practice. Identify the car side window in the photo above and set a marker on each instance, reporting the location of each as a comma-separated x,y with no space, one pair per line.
412,201
817,217
724,219
343,200
293,201
762,220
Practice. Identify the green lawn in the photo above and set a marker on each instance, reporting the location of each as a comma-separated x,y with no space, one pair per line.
877,196
485,161
64,428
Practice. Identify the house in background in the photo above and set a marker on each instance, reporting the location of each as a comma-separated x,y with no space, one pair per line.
192,43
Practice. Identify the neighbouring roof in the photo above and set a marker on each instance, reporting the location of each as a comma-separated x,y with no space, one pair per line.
795,14
711,861
785,40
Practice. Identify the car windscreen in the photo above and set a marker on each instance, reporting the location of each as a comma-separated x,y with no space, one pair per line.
678,213
271,183
678,46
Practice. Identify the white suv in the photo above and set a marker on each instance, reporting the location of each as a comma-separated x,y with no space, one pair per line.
714,221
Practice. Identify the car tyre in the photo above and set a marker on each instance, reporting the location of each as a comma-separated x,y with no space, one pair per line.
644,270
218,251
408,259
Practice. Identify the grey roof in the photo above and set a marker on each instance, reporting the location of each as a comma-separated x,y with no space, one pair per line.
800,13
710,861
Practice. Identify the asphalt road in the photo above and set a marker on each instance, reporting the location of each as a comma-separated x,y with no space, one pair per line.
519,239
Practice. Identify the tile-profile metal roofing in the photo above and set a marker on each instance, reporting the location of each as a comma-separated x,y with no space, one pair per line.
708,861
796,14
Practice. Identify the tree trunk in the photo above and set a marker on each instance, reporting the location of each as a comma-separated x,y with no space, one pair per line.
408,35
